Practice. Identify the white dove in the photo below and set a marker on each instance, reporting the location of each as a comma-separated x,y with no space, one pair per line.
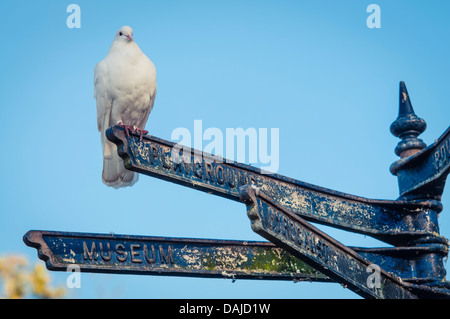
125,90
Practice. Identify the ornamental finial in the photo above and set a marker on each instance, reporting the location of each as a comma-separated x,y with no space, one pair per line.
407,126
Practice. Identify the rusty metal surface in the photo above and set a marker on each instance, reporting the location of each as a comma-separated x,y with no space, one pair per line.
416,263
144,255
289,231
421,172
339,262
280,209
382,219
203,257
425,171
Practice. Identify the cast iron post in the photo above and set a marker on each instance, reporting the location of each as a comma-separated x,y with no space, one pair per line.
408,126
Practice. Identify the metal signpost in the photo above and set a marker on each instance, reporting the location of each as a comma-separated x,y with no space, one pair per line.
143,255
281,209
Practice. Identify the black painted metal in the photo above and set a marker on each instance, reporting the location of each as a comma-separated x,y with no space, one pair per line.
409,223
383,219
280,209
308,243
353,268
422,172
425,172
145,255
407,126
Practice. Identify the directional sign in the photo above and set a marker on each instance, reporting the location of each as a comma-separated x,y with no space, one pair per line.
324,253
426,169
378,218
107,253
280,209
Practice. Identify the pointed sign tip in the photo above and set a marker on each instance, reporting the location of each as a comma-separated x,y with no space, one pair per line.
402,85
405,106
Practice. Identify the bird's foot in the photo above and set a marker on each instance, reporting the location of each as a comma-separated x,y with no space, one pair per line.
141,132
126,128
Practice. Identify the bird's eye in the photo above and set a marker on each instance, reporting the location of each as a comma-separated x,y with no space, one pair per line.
120,33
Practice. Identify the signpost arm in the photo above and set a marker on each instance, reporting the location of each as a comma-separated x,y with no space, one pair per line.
383,219
326,254
188,257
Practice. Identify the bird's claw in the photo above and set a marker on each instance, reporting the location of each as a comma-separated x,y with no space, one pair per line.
140,132
126,128
133,129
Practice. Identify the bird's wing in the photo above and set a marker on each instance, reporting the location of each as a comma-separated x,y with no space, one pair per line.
149,108
104,102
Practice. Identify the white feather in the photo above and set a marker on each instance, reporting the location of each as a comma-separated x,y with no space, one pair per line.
125,90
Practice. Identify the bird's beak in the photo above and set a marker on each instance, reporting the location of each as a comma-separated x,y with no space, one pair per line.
130,37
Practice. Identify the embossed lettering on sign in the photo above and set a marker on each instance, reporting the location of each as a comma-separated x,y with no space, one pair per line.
442,155
130,253
281,226
192,166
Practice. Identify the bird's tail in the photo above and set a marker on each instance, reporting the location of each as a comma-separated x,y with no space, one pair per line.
114,172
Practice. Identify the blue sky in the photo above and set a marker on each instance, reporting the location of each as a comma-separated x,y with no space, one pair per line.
313,69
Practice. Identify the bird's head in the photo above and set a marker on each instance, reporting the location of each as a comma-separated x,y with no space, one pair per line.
125,33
